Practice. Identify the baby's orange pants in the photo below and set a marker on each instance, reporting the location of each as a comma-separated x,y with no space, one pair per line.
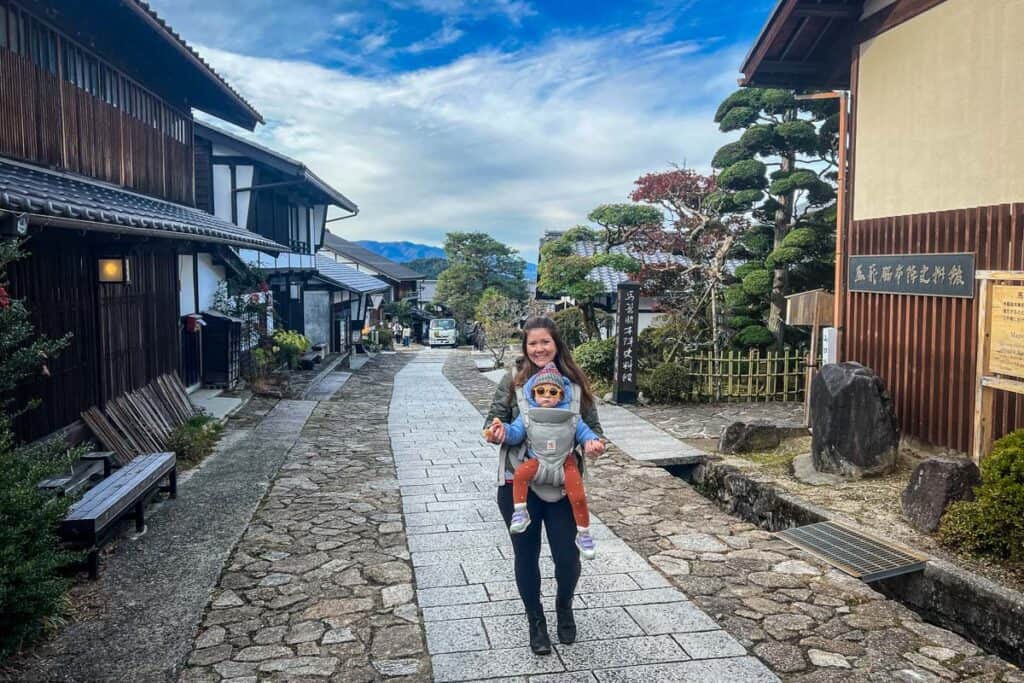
525,473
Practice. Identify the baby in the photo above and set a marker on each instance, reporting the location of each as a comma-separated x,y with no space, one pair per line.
549,389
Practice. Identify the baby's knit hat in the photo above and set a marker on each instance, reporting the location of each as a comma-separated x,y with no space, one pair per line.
549,374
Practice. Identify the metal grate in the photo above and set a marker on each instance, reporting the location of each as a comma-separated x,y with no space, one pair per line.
859,555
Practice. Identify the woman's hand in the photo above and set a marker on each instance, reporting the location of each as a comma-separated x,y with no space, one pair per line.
593,448
496,432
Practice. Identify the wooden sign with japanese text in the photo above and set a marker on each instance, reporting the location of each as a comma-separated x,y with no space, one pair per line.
915,274
1006,339
625,348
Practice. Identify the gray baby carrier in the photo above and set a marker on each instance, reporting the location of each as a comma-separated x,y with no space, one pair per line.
551,435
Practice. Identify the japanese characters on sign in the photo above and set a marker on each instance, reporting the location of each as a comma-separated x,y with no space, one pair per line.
1006,345
625,348
920,274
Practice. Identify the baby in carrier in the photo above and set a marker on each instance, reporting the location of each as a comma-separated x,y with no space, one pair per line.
550,423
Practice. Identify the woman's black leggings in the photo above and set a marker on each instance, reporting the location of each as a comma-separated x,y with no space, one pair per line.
561,529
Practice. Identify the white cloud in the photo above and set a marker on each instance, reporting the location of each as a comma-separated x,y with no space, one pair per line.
507,143
513,10
448,33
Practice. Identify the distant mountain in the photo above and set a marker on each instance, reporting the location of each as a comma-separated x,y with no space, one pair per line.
400,252
431,267
403,252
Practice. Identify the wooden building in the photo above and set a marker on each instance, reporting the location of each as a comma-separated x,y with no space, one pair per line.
96,164
271,195
935,166
403,282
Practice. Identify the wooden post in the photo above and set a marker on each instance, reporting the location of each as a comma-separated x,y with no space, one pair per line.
983,398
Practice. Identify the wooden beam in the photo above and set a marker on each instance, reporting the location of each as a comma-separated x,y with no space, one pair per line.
768,35
768,66
892,16
829,10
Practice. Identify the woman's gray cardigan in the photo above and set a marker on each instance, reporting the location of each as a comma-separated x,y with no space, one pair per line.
505,408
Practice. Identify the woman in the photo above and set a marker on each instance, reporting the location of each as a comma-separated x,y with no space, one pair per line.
542,345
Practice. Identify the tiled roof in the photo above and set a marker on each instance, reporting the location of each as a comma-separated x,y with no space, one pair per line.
348,277
362,255
67,198
610,277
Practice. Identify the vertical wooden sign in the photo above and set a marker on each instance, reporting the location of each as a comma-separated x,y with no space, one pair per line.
625,390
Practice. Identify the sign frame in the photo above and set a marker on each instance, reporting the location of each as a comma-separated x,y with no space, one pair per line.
853,261
987,382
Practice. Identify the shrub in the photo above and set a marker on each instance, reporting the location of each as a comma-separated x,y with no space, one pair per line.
667,383
993,523
289,346
33,591
194,440
596,358
571,327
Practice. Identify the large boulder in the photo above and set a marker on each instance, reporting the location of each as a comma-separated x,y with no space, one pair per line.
855,433
934,484
745,437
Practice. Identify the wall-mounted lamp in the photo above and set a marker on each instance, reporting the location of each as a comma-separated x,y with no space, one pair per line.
114,270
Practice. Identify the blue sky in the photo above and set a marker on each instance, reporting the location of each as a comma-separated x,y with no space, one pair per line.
510,116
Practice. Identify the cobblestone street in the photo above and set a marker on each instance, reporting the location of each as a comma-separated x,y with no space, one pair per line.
378,554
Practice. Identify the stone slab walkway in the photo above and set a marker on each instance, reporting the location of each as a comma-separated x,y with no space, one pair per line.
137,621
634,625
808,622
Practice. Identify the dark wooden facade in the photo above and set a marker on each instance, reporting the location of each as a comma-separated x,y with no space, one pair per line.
64,107
123,336
924,347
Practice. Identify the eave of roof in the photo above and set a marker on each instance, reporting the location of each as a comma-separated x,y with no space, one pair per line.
66,200
805,44
363,256
347,277
277,161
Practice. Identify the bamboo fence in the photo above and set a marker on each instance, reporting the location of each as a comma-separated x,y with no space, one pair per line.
746,376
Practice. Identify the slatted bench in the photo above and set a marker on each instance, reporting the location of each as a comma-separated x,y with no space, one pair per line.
95,517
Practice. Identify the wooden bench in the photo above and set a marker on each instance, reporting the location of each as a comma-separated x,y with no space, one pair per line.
95,517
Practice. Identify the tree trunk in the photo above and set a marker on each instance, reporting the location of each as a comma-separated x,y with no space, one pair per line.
780,276
590,321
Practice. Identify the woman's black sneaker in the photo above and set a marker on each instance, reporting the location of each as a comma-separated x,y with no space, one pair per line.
540,643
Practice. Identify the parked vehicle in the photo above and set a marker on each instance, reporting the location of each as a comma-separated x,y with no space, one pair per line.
443,331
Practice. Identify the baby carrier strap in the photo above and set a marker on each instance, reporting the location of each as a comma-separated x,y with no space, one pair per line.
524,407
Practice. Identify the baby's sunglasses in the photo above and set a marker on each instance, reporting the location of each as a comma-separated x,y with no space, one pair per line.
547,390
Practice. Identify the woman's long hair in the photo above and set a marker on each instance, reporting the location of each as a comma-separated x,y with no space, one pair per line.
563,361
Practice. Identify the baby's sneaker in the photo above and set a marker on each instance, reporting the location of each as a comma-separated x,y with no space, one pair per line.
585,542
520,520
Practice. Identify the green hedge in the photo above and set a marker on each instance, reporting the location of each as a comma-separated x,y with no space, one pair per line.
993,523
596,358
667,383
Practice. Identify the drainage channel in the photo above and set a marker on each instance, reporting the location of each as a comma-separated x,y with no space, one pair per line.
983,612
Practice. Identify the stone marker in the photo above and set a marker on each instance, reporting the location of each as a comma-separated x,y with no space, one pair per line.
855,432
744,437
934,484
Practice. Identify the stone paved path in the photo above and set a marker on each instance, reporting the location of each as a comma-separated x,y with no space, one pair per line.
809,623
137,621
320,585
634,626
643,441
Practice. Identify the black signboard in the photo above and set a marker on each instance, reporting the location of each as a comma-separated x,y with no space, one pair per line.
625,348
918,274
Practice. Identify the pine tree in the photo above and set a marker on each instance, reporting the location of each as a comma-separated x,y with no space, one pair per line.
782,172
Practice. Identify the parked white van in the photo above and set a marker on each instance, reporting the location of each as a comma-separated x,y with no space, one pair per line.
443,331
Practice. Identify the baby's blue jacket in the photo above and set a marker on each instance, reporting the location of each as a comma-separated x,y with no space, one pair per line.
516,432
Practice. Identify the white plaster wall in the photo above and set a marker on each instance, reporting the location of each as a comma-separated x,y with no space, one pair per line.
210,277
222,191
319,216
243,178
186,292
317,309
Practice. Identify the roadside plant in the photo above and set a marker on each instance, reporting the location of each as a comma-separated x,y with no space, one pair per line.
993,523
499,317
596,358
667,383
289,346
33,588
195,439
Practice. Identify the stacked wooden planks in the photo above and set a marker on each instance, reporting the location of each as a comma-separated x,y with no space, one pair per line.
141,421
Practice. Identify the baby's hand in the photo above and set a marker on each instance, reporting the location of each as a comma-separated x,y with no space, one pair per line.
594,448
495,433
